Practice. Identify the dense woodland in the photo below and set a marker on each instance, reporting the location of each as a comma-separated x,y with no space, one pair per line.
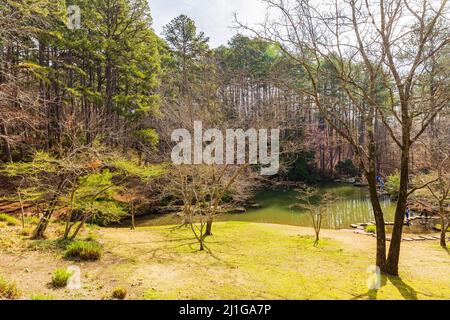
86,115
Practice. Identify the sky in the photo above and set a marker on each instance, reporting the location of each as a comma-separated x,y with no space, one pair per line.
214,17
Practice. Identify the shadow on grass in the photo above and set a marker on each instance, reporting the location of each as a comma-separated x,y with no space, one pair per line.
371,294
407,292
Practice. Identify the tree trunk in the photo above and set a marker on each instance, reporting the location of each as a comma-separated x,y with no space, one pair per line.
45,219
7,148
42,225
394,249
444,226
133,226
379,221
443,233
209,223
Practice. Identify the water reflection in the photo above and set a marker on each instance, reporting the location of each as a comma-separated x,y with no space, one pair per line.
351,205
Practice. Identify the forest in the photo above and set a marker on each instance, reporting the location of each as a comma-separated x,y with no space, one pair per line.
92,205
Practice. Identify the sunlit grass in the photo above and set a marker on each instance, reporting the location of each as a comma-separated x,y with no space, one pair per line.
255,261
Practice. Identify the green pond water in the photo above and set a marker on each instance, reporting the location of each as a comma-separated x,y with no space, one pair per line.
352,205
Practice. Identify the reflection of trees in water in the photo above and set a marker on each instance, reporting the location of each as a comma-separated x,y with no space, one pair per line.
356,210
352,206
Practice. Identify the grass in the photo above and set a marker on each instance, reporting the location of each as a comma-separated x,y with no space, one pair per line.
9,220
84,250
439,227
256,261
60,278
242,260
41,297
27,231
8,291
370,229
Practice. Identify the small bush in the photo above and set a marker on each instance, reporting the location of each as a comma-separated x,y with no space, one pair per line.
10,220
119,293
370,229
41,297
347,168
26,232
393,184
8,291
60,278
84,250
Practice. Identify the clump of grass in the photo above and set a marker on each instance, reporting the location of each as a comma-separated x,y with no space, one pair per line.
90,237
31,220
8,291
60,278
84,250
119,293
26,232
370,229
10,220
41,297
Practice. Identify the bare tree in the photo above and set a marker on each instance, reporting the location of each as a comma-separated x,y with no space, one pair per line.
202,188
367,57
316,204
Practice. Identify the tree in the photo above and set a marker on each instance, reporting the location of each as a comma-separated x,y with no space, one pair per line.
373,75
190,52
202,189
97,82
92,198
434,184
79,183
316,203
440,191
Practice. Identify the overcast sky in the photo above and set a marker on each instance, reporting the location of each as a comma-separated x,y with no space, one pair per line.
214,17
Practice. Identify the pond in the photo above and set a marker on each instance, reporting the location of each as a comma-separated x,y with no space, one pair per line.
351,205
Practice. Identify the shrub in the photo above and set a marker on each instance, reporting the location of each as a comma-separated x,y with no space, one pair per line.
10,221
8,291
119,293
370,229
31,220
60,278
393,184
41,297
303,168
347,168
26,231
84,250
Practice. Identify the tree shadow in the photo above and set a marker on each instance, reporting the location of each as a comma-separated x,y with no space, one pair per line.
405,290
371,294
